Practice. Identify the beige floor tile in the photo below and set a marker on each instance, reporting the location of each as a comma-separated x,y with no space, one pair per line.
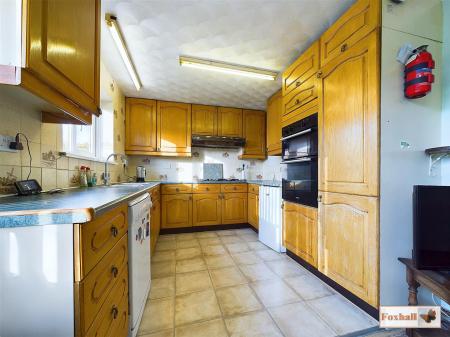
188,253
225,277
269,255
355,318
163,268
196,307
256,324
309,287
274,292
185,236
158,315
225,232
246,258
187,244
210,241
257,272
231,239
214,328
249,237
163,255
219,261
299,320
162,287
244,231
237,300
166,237
214,250
286,268
257,245
191,282
189,265
165,333
235,248
166,245
205,235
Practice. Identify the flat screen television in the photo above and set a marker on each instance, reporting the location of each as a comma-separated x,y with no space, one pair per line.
431,236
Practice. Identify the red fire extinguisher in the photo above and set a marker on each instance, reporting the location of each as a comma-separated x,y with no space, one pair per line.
419,73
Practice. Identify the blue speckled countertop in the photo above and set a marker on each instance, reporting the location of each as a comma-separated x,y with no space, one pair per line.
77,205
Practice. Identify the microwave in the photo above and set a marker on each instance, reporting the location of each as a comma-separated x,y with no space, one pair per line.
300,140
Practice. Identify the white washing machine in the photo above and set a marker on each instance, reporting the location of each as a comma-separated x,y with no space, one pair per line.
138,258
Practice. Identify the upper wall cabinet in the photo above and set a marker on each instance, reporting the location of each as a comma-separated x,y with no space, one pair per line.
254,134
351,27
62,58
140,127
174,129
273,125
204,120
230,122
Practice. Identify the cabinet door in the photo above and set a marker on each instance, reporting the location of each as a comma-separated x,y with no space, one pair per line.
349,120
229,122
349,253
140,126
206,209
254,134
361,19
234,208
63,48
155,221
253,210
273,125
176,211
204,120
174,128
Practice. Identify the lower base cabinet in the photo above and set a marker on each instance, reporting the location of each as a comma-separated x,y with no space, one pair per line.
155,222
349,241
234,208
300,231
253,210
206,209
176,211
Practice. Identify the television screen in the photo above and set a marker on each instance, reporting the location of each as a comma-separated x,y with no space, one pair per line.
431,246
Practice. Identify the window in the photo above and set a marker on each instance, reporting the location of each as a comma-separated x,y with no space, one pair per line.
94,141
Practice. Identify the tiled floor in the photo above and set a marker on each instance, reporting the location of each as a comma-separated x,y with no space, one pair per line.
226,283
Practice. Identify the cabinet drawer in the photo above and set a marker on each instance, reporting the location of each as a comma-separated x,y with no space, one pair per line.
176,188
300,96
112,318
361,19
95,288
97,237
253,188
206,188
155,193
298,114
233,188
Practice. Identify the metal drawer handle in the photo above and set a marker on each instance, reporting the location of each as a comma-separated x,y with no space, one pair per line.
235,188
344,47
297,102
177,189
298,83
207,188
114,312
114,271
319,74
114,231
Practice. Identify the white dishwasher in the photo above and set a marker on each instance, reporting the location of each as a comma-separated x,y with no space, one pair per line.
139,279
270,222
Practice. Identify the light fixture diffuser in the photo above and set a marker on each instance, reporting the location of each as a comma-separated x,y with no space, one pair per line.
113,26
227,68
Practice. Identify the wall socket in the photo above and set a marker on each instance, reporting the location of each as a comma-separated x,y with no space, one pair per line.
4,143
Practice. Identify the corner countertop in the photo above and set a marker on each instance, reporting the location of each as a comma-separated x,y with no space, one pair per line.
76,205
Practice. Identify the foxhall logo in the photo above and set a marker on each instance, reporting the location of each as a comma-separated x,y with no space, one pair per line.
410,317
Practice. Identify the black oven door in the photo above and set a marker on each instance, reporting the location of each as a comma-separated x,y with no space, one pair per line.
301,144
300,182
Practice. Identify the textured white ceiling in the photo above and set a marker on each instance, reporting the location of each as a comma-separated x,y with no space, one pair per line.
267,34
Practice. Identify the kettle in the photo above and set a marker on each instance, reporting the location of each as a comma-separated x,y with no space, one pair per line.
141,173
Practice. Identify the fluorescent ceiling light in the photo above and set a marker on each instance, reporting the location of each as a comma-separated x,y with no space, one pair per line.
113,26
228,68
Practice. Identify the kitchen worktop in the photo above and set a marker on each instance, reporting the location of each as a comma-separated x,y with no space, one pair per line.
274,183
76,205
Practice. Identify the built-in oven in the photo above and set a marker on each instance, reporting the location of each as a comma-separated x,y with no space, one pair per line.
300,156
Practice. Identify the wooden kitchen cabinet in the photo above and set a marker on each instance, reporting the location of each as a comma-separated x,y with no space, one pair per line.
229,122
349,120
350,238
254,126
300,231
176,210
253,209
355,24
140,126
206,209
204,120
174,128
155,217
234,208
273,124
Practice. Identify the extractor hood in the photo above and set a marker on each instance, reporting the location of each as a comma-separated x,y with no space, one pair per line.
218,142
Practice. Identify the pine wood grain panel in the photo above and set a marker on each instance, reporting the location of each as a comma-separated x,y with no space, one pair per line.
176,188
254,132
140,125
204,120
233,188
176,211
253,188
206,209
174,122
253,209
155,222
273,124
234,208
206,188
229,122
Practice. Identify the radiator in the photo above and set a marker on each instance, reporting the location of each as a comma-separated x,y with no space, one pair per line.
270,220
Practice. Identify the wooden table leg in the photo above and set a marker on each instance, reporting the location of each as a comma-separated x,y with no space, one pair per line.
413,285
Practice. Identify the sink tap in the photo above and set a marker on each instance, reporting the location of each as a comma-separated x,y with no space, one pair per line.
107,174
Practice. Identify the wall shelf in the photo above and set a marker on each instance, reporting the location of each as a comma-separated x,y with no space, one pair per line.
436,154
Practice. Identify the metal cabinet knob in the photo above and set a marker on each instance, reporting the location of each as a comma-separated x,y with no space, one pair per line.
319,198
344,47
177,189
297,102
319,74
114,271
298,83
114,312
114,231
